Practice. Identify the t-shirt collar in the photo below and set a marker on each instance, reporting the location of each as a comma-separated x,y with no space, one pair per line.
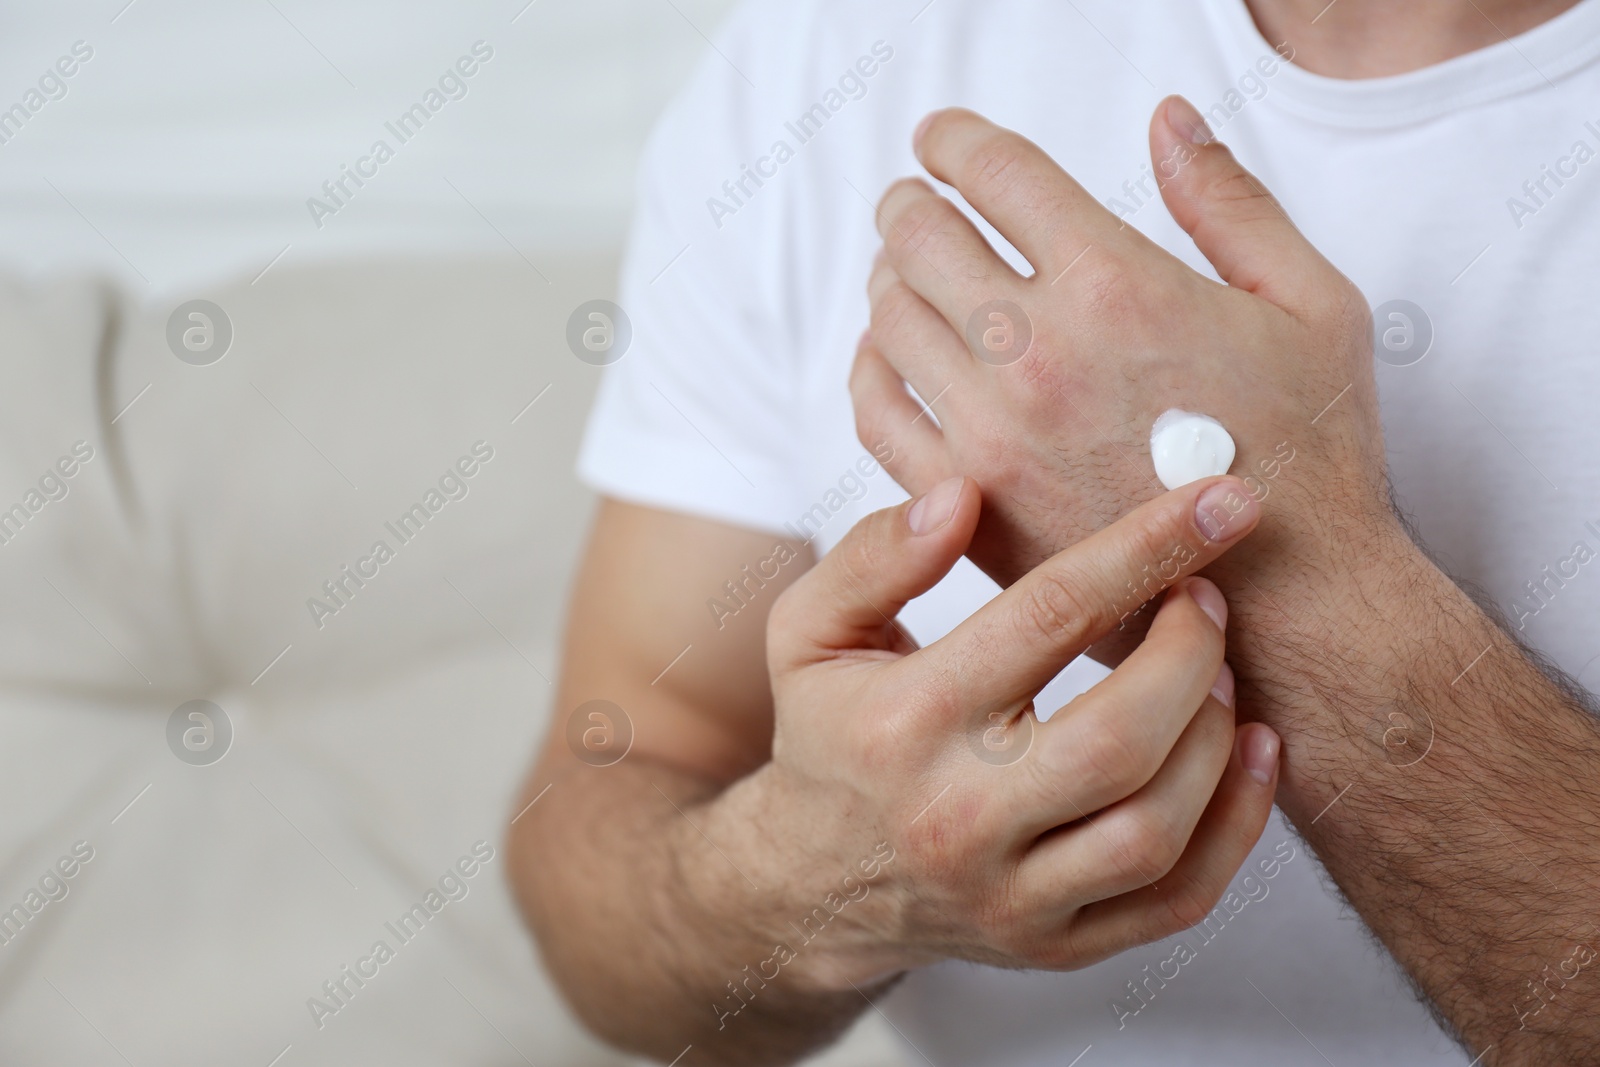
1537,59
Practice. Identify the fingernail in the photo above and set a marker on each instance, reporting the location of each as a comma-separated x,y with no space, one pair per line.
866,338
1222,689
1224,511
1186,122
1210,599
934,509
1258,751
922,128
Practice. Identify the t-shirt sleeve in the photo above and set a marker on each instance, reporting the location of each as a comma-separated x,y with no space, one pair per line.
697,415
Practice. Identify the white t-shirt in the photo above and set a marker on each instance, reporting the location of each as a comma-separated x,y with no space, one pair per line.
1469,189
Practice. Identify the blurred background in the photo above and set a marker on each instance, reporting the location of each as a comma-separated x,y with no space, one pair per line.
186,147
264,787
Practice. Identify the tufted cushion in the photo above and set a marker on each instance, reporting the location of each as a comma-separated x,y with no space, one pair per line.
385,739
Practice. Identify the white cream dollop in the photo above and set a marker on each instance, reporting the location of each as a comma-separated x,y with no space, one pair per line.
1187,447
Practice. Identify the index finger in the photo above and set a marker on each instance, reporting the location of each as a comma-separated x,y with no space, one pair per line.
1026,195
1011,647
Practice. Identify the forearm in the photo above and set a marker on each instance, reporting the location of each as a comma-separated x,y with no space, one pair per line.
1449,787
634,879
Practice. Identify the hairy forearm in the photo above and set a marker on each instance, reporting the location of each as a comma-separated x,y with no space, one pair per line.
1449,786
636,881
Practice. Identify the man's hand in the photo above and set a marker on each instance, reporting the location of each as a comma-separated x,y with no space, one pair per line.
1046,387
1428,759
738,882
1014,842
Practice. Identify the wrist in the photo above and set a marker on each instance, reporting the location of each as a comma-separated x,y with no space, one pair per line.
1308,601
1337,650
799,885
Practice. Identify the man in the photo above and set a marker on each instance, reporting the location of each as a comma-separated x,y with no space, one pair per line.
1436,153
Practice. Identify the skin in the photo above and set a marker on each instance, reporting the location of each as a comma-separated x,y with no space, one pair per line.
1370,39
911,793
1429,760
640,878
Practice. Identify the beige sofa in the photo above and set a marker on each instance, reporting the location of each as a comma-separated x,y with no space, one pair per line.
376,742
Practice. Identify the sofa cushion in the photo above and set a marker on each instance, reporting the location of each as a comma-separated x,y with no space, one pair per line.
374,744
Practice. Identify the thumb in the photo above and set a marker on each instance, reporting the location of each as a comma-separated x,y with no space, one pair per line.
1234,221
850,598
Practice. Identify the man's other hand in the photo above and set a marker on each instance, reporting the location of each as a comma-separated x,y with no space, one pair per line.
1010,841
1047,385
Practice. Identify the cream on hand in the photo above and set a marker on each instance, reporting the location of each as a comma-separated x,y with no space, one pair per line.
1187,447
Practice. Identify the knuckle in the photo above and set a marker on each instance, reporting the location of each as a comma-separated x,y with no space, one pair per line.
1150,846
871,410
934,229
870,420
1347,316
1214,725
1053,607
1239,189
919,222
1195,640
1009,925
894,313
1046,953
1185,904
866,553
1021,931
1015,923
1052,954
994,164
1157,548
1106,759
